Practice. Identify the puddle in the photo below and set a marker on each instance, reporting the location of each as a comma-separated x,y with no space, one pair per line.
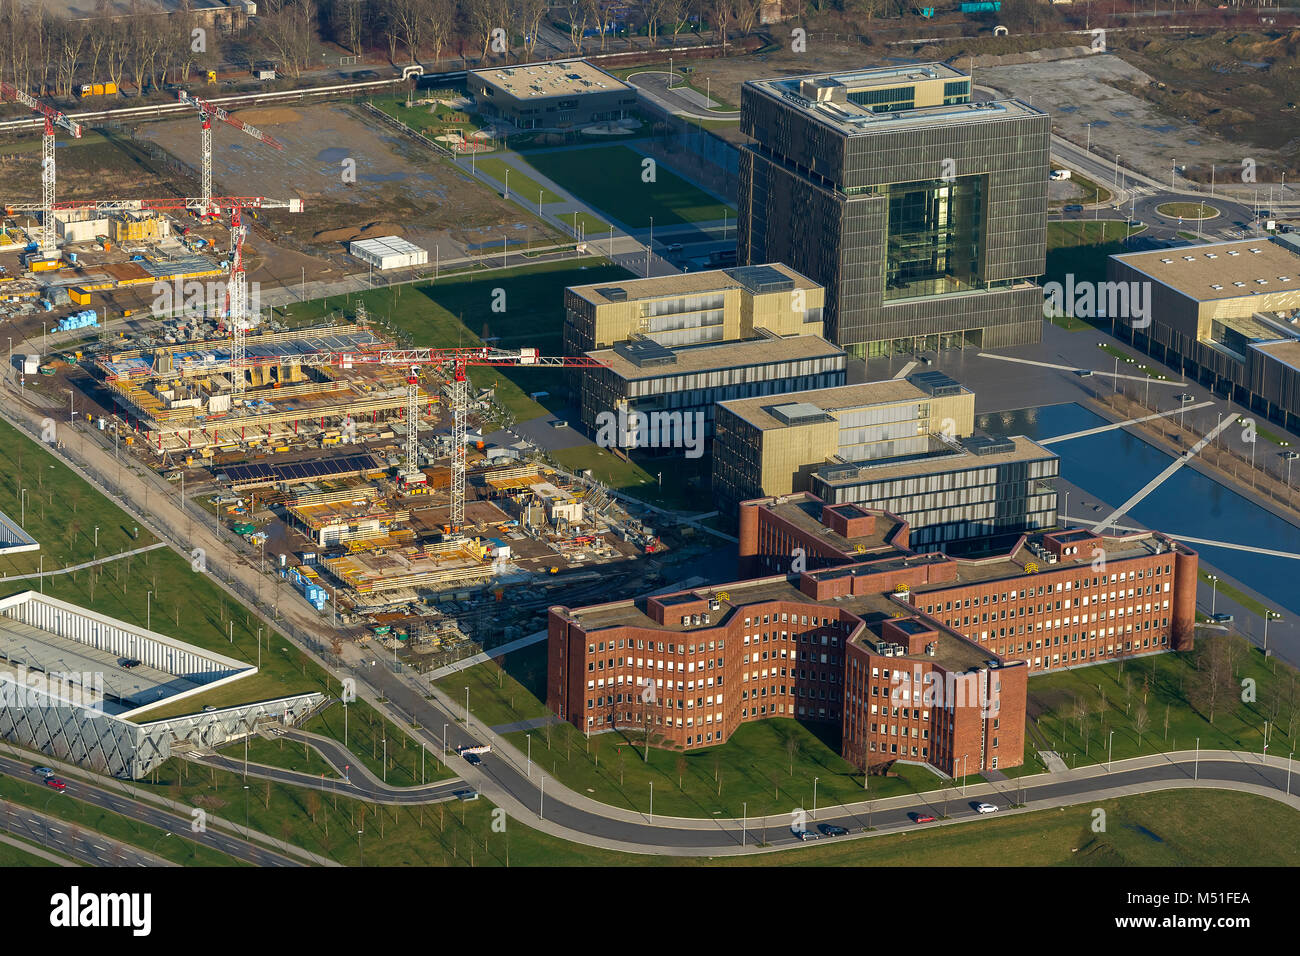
333,154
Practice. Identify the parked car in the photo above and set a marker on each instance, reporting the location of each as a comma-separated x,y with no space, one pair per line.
473,759
804,835
922,818
56,783
43,771
985,808
1074,207
129,662
831,830
1222,619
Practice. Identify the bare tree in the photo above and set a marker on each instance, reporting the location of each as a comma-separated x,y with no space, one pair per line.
529,14
1213,678
747,13
682,767
792,750
439,15
1140,722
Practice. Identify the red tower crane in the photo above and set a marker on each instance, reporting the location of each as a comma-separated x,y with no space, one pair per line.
52,118
207,113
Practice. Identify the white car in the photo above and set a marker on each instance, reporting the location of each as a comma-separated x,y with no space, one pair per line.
985,808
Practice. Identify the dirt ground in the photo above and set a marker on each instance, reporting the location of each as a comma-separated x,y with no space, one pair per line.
398,187
1096,89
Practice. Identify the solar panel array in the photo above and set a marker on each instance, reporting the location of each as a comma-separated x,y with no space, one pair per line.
302,470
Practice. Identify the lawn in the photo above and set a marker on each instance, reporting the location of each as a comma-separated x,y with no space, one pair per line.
1187,210
282,753
503,694
1172,828
11,856
62,511
459,311
609,178
1163,703
766,767
365,734
67,807
1082,246
158,589
1092,192
522,188
1245,600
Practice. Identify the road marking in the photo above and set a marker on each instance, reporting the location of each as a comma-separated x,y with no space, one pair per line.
1072,368
1161,478
1131,421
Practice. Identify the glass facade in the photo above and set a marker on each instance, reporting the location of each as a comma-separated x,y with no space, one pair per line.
934,237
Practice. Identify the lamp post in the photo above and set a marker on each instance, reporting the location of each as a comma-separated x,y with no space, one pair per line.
467,709
23,516
744,812
444,741
245,808
1196,765
530,755
1269,616
963,773
652,801
1288,772
814,813
1110,751
361,846
148,611
1214,591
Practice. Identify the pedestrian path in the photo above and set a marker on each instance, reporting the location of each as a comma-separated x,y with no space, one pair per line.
1164,476
87,564
1124,424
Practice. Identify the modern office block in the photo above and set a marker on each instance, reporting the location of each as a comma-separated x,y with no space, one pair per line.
923,214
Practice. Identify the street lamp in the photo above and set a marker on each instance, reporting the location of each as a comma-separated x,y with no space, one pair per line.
1110,751
744,815
444,742
1269,616
245,809
652,801
148,611
814,813
467,709
1214,591
361,846
530,754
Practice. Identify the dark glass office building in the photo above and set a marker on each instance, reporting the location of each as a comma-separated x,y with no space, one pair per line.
923,215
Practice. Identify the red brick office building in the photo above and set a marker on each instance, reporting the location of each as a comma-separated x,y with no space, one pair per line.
919,657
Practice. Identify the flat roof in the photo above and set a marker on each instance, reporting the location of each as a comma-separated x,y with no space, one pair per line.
953,458
1221,270
690,283
804,511
1012,564
541,80
954,652
1286,351
758,411
722,355
853,119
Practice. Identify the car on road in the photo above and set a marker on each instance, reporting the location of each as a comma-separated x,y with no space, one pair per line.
43,771
129,662
674,247
56,783
559,423
1135,223
922,817
473,759
804,835
466,794
1074,207
831,830
984,808
1222,618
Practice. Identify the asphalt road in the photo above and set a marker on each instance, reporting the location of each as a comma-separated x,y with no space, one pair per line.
88,846
147,813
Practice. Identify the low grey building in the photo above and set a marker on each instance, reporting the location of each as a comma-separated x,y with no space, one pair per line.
556,95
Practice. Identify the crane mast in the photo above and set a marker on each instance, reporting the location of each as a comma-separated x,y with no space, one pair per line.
207,113
45,241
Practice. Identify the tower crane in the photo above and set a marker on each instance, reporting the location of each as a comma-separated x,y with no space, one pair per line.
455,360
207,113
53,118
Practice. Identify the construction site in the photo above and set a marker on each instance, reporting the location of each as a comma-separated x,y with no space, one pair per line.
352,471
